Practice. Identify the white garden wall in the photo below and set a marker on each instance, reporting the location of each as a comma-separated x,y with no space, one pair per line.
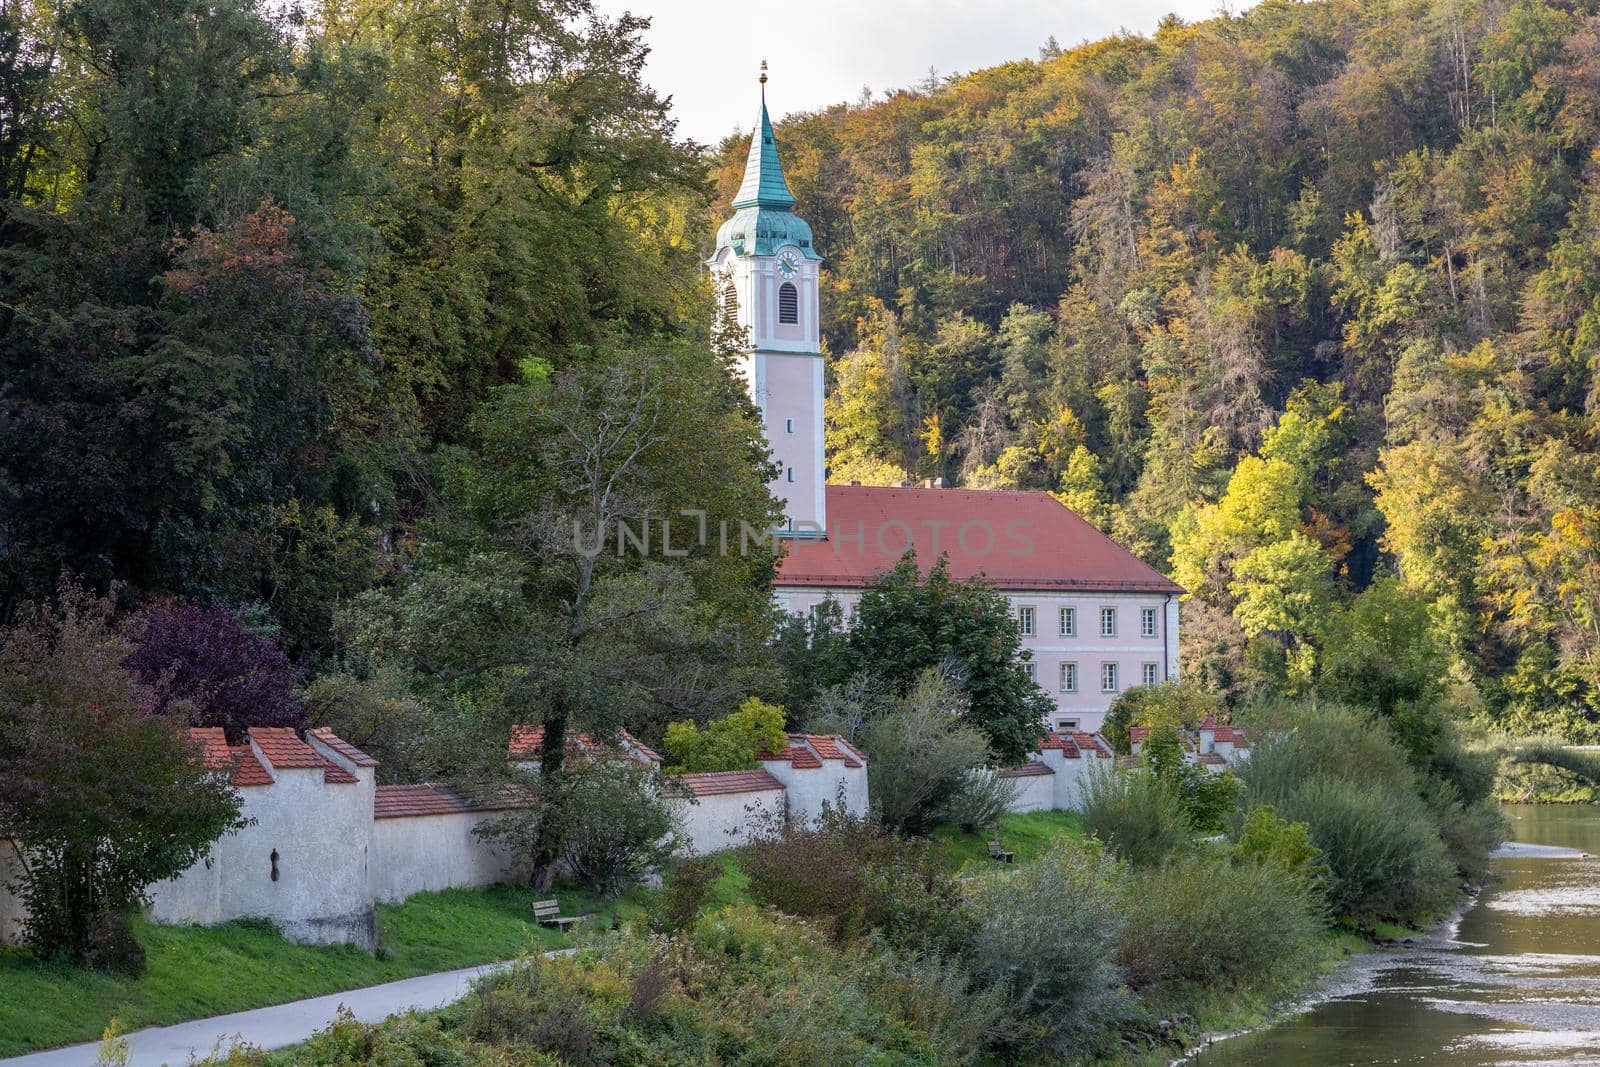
426,853
321,833
11,910
717,822
1035,792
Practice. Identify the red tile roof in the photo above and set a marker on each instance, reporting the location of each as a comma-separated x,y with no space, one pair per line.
404,801
799,755
716,783
832,746
1093,743
337,775
1018,540
1031,769
213,746
1068,747
1228,733
343,747
247,770
1213,759
526,741
284,749
826,745
1137,734
1208,724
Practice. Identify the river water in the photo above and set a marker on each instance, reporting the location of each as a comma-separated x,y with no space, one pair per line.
1515,979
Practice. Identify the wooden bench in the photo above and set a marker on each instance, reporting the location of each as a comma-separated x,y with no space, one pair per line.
1000,855
548,913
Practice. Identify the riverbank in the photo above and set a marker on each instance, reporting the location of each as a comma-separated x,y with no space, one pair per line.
1507,980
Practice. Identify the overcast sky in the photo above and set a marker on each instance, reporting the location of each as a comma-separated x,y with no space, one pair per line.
705,53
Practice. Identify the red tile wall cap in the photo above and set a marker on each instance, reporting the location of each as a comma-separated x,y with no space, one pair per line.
1031,769
1067,746
797,755
343,747
829,746
527,741
1093,743
213,747
717,783
408,801
247,770
1017,540
284,749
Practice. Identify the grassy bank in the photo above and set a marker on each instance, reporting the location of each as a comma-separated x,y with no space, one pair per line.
196,971
1027,835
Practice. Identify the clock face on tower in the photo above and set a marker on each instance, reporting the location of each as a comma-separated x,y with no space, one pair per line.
788,264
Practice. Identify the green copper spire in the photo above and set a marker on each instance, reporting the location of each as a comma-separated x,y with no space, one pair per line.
762,222
763,175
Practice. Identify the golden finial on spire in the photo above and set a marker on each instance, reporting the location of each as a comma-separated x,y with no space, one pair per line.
763,72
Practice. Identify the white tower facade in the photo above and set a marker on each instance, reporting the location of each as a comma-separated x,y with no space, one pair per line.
767,272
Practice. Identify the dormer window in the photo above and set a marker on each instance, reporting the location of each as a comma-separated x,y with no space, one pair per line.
788,304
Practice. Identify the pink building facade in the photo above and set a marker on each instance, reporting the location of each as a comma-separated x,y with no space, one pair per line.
1080,667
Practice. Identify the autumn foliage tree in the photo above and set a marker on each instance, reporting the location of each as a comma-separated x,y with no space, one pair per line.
206,669
101,793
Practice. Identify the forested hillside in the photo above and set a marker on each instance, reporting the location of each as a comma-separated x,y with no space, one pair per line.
1303,304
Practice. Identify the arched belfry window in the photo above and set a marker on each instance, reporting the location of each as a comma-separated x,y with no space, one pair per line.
788,303
730,301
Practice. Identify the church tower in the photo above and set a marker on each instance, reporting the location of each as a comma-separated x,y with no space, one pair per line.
766,274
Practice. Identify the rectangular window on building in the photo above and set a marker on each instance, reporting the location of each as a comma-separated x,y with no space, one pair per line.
1069,677
791,474
1029,666
1147,674
1147,622
1108,622
1108,677
1069,622
788,425
1066,726
1025,621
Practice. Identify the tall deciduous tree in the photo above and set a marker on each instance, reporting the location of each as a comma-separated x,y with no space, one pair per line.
605,562
102,794
907,623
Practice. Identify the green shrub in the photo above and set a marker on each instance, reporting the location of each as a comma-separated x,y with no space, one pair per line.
1135,815
112,947
1203,920
1340,772
687,887
730,743
1386,861
1047,932
925,761
618,827
1470,831
1305,738
1209,798
1265,838
859,878
980,799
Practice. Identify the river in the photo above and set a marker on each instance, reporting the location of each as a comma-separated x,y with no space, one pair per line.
1515,979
